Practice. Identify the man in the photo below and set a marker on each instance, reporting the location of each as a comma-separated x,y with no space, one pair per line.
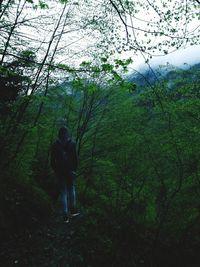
64,162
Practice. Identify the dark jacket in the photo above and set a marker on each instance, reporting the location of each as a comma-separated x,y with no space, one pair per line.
58,152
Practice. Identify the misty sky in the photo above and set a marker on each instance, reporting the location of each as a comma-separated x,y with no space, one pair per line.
190,55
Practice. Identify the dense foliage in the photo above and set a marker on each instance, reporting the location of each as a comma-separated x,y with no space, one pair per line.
137,136
138,179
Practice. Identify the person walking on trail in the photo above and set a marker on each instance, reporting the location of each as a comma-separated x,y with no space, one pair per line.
64,162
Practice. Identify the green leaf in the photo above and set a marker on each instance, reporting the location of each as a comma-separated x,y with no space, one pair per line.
43,5
64,1
104,59
107,67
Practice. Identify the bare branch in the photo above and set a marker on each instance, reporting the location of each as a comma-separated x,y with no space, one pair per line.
121,18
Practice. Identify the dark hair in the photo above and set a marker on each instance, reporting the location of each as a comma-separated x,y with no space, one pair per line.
63,133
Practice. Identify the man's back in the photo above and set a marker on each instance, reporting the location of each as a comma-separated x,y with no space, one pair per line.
64,156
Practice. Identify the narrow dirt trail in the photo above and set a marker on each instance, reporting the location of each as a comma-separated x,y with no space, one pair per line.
52,245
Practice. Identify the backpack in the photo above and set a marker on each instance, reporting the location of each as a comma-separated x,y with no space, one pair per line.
66,159
62,157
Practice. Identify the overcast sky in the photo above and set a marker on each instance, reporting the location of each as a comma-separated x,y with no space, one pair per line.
189,55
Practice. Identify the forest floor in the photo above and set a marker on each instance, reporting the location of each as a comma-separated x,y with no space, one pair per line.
53,245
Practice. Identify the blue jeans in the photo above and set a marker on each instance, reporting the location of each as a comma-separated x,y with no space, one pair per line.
67,190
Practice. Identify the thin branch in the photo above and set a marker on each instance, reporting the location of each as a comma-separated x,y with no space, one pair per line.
120,16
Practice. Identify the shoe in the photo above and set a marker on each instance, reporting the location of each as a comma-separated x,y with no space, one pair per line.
74,212
65,218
